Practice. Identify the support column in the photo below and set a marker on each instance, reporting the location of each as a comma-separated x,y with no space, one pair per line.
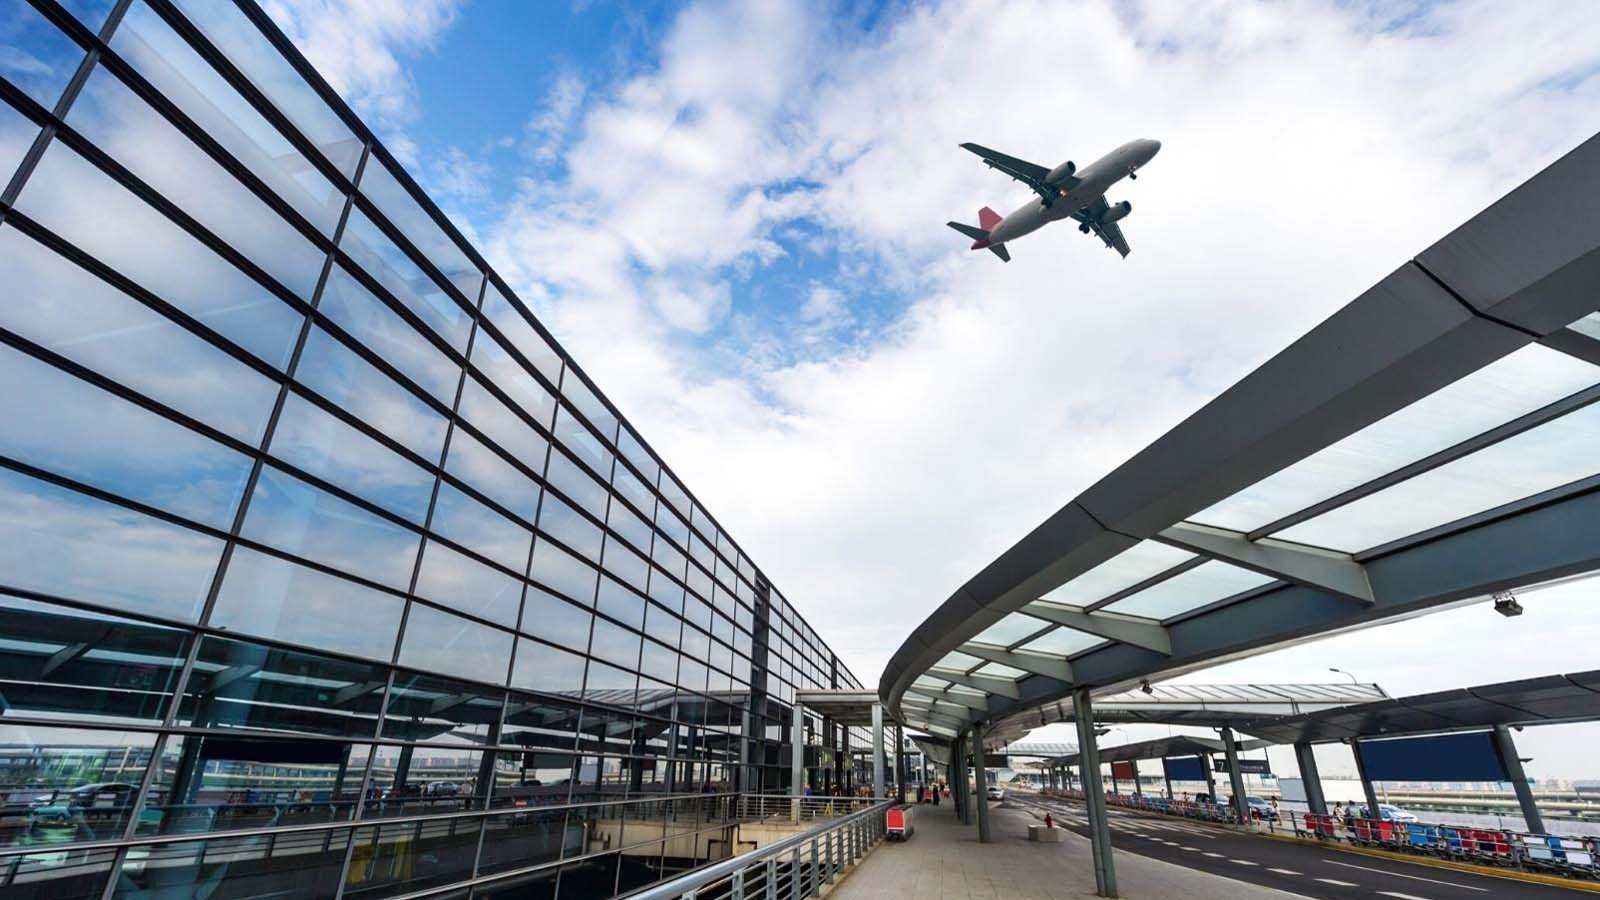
900,762
1519,778
1366,783
1138,791
980,771
797,758
1105,872
1313,782
962,804
877,752
1241,811
1166,777
1207,765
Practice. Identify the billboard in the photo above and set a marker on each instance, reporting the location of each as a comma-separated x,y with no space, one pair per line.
1247,766
1123,769
1184,768
1441,757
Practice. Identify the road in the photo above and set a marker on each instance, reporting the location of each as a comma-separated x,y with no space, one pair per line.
1317,872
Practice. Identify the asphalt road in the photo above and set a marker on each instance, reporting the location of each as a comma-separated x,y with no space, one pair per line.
1296,868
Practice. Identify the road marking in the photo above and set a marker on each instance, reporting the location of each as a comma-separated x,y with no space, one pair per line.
1334,862
1244,862
1214,855
1337,882
1400,895
1190,849
1284,871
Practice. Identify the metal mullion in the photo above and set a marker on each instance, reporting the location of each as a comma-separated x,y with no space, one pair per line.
356,270
418,258
545,431
1199,560
1574,344
510,458
184,731
1526,422
515,353
377,435
106,496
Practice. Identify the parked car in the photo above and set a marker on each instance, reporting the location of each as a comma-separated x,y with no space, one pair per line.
1258,808
996,792
1390,813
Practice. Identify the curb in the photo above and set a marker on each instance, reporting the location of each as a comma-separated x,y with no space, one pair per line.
1432,863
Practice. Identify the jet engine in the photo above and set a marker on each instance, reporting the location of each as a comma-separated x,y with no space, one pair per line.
1116,212
1061,173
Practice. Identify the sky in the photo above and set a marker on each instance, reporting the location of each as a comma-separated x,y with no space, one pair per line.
732,214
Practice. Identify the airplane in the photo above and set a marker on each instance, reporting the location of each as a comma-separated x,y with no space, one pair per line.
1064,192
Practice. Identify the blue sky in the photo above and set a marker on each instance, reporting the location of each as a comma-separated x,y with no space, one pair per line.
733,215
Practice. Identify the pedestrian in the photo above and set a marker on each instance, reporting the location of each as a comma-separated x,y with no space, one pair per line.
936,792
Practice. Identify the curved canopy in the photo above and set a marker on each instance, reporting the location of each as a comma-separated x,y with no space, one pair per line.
1430,443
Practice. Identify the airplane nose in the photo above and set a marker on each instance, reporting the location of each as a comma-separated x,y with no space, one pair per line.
1153,145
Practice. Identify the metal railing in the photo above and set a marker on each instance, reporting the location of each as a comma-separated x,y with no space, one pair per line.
790,869
776,807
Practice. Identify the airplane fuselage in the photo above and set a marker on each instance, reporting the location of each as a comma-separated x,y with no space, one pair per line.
1093,181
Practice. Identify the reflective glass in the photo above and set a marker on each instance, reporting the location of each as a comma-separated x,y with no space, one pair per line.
59,423
508,375
424,707
406,857
424,781
477,527
1063,642
124,126
555,620
662,625
1204,584
615,644
560,571
17,134
525,839
633,449
674,527
570,527
489,473
92,13
173,67
436,641
334,371
67,310
293,516
629,486
402,210
267,596
620,603
208,784
460,582
59,662
79,202
582,443
61,542
1512,386
674,494
58,875
65,785
1142,561
499,424
668,558
589,404
1588,325
626,564
577,485
540,667
326,447
241,685
354,308
1549,456
403,278
34,54
225,26
510,323
294,866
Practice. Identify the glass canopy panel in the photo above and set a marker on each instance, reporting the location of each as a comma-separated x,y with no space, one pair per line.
1010,630
1511,387
959,661
1588,325
1551,455
1201,585
999,670
930,683
1143,560
1063,642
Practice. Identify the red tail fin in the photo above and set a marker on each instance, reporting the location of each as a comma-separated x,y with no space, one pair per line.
988,219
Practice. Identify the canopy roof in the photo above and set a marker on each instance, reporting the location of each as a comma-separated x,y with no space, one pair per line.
1163,748
1430,443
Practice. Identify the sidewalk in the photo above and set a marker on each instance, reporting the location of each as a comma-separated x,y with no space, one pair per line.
944,861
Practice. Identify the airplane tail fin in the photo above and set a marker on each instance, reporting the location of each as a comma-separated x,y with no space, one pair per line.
988,219
1000,251
977,234
980,236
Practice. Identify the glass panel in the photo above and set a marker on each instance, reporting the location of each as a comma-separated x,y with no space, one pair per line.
274,598
526,839
582,443
403,278
998,670
500,313
1063,642
58,423
1143,560
239,685
577,485
540,667
81,666
169,63
437,641
410,856
489,472
570,527
486,413
34,55
675,528
588,403
334,371
558,570
626,564
354,308
1205,583
633,449
557,621
67,310
509,376
17,134
479,528
324,446
226,27
75,200
629,486
297,866
92,13
206,784
1513,386
1588,325
1014,627
61,542
381,186
54,875
438,710
64,785
124,126
620,603
293,516
460,582
1551,455
615,644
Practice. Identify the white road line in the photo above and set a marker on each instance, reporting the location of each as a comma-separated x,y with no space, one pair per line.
1334,862
1214,855
1284,871
1190,849
1400,895
1244,862
1337,882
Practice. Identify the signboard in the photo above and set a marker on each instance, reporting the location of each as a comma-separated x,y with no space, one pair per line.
1293,789
1247,766
1184,768
1441,757
997,760
1122,769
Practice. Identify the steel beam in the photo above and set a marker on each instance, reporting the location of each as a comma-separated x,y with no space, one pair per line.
1230,749
1306,757
980,773
1034,663
1519,779
1336,573
1146,633
1094,797
1366,783
972,703
989,684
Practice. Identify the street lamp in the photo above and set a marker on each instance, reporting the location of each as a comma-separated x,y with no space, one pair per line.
1346,674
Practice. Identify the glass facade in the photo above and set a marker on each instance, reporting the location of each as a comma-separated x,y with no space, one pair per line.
323,570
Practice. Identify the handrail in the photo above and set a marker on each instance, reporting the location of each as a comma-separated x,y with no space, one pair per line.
864,828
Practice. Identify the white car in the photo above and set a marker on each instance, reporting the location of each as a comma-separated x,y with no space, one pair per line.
996,792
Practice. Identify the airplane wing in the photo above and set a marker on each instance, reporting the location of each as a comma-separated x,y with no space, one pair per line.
1031,174
1110,232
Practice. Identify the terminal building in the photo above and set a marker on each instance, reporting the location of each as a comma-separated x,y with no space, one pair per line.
324,570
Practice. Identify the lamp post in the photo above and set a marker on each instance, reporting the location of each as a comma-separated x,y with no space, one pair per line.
1344,673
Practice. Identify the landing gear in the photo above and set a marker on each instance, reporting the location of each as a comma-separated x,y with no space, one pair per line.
1132,175
1084,228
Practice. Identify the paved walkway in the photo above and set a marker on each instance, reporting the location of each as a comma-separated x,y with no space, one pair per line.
944,861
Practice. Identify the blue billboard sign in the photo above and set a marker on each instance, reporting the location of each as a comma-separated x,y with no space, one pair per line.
1441,757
